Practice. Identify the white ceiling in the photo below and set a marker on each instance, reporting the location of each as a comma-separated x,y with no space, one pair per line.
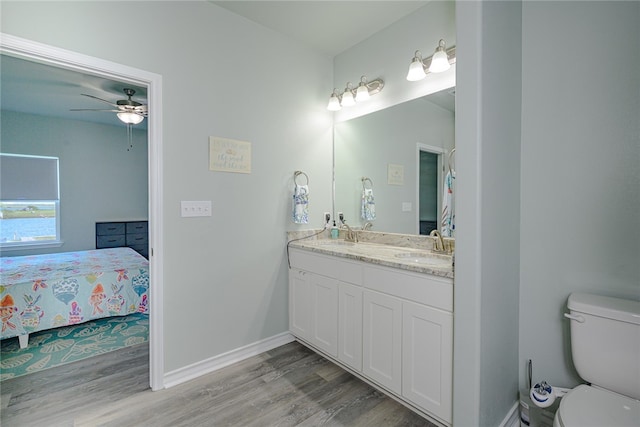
329,27
34,88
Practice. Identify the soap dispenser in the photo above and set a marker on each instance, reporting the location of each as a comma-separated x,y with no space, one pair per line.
334,230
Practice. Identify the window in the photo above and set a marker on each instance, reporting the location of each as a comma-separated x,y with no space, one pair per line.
29,202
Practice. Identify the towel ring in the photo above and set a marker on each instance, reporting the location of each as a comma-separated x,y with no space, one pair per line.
364,183
296,174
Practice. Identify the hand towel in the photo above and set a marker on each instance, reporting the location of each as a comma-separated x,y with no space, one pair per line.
368,210
301,204
448,213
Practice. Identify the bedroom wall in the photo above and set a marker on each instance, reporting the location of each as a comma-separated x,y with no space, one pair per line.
225,276
99,179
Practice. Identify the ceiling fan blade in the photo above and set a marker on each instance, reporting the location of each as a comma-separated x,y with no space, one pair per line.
94,109
100,99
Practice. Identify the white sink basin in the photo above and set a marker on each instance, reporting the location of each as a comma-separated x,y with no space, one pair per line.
364,249
329,243
423,259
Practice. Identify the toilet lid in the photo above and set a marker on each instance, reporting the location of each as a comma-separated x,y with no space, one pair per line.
587,406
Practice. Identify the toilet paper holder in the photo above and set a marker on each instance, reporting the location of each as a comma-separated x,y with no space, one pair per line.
543,395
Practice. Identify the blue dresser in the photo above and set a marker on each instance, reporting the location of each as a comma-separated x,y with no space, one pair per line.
132,234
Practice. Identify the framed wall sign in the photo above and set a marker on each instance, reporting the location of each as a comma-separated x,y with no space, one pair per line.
229,155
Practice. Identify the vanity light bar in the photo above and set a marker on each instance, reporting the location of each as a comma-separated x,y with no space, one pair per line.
352,95
440,61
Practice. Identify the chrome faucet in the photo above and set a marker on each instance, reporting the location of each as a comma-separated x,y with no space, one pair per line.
367,226
351,236
438,247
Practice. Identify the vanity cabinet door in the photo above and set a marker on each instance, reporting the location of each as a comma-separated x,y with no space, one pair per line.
299,303
350,325
427,358
382,340
324,313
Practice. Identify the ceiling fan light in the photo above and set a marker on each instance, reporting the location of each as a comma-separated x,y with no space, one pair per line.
130,118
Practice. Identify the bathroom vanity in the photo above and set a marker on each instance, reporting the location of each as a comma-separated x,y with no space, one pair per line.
385,313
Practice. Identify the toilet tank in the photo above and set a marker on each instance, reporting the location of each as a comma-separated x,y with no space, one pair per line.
605,341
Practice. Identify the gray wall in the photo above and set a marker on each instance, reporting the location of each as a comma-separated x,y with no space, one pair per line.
547,167
547,162
224,76
488,212
580,228
99,179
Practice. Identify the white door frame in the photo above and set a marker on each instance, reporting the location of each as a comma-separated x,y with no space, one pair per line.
49,55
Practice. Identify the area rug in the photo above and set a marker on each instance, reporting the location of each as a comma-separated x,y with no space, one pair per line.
56,347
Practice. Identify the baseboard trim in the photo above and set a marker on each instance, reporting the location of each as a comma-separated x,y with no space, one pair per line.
512,419
206,366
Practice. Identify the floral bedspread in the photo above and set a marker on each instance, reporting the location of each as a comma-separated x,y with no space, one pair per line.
39,292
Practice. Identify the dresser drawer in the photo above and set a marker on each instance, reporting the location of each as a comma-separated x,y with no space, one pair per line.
137,239
137,227
141,249
113,241
110,228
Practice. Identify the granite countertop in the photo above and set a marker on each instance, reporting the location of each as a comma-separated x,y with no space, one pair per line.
419,260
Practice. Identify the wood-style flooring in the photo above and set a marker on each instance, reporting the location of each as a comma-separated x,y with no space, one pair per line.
287,386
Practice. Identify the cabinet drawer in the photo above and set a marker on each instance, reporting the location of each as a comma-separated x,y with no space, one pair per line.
137,239
110,241
137,227
109,228
344,271
429,290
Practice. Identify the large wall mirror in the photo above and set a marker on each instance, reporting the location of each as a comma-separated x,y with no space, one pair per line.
403,153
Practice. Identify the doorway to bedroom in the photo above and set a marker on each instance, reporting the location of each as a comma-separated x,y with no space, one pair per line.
134,154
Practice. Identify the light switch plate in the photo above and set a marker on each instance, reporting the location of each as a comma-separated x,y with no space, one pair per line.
195,208
406,206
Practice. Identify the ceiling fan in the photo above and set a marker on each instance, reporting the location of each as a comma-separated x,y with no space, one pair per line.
128,111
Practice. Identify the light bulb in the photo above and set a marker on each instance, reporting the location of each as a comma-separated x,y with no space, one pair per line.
416,69
334,103
347,98
130,118
439,60
362,94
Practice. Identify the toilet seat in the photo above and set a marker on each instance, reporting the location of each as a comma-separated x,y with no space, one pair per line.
586,406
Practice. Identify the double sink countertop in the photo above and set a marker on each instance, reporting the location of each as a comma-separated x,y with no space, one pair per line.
405,258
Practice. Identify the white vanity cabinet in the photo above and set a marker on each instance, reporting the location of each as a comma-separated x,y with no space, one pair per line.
391,326
314,283
324,313
299,302
427,358
350,325
382,340
313,309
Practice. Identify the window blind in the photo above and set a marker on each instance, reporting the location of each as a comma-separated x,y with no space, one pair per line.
28,177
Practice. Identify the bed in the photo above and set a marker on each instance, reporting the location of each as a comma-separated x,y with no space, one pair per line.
39,292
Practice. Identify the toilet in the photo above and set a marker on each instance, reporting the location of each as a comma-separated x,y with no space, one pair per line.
605,347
